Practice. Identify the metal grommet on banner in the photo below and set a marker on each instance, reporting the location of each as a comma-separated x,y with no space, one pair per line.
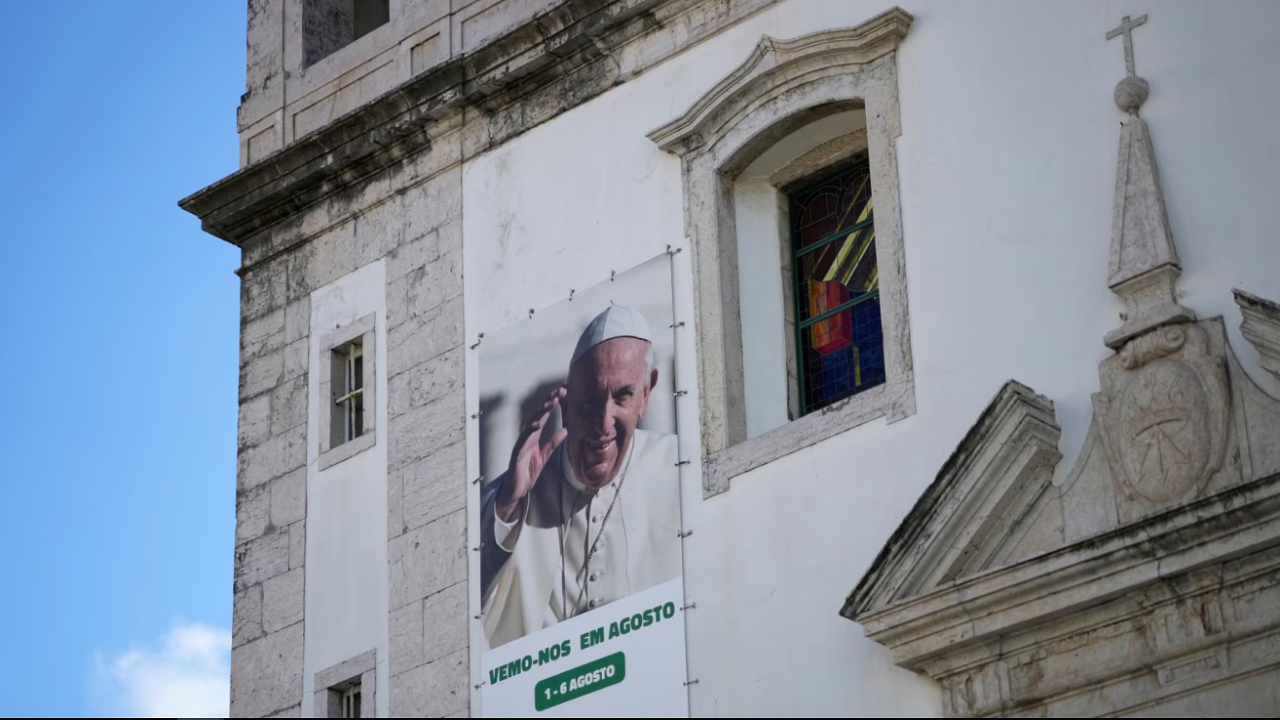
530,313
673,252
612,274
476,414
570,294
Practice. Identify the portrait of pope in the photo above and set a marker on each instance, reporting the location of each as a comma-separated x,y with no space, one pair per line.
590,513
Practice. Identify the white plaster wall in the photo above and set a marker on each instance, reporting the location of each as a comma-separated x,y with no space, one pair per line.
1007,162
346,565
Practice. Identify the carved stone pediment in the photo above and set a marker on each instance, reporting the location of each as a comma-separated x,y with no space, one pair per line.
968,518
1147,579
1150,570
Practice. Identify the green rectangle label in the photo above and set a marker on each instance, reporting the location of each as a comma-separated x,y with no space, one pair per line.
584,679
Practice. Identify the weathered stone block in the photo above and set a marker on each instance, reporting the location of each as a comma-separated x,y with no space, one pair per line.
424,337
254,423
297,356
297,544
261,374
300,282
432,285
434,203
261,558
378,229
405,626
434,486
281,454
422,431
395,505
246,616
289,498
289,405
266,674
334,255
261,335
450,237
432,690
427,382
427,560
253,513
282,600
297,320
260,293
411,255
444,622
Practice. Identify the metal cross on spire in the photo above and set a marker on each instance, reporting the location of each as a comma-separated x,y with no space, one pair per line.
1126,29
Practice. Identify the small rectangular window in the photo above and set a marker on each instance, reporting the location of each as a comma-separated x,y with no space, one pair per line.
330,25
348,380
348,390
839,343
351,702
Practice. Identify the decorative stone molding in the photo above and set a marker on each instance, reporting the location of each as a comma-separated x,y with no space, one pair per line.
1261,327
1148,580
557,60
782,86
961,525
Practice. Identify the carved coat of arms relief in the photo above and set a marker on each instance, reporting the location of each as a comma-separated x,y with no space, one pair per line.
1165,414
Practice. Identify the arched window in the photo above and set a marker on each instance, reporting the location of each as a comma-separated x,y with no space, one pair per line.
791,197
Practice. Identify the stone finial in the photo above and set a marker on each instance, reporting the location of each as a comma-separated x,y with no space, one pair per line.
1144,265
1131,92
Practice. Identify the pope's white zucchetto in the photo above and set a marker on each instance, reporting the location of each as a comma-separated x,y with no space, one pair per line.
616,321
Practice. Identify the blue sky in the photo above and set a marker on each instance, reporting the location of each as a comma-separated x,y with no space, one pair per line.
119,431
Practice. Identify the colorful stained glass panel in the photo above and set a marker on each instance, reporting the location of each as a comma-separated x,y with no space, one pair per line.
837,288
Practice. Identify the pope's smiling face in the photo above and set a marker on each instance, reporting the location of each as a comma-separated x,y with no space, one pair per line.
608,394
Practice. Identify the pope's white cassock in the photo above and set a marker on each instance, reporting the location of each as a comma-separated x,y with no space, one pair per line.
637,544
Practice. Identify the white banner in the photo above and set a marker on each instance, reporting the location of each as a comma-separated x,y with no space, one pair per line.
580,553
625,659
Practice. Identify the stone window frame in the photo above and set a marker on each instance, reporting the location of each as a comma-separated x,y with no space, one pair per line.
333,681
783,86
365,329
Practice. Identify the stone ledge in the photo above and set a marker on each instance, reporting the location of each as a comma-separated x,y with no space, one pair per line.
394,125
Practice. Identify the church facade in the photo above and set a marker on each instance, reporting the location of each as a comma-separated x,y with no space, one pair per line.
962,351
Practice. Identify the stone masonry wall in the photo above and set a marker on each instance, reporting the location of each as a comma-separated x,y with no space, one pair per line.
411,215
271,497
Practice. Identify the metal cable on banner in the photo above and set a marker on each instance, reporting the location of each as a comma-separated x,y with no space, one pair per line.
676,326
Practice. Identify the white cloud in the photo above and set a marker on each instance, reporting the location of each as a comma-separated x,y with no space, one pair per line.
188,675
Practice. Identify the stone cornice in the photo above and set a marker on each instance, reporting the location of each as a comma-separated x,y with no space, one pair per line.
864,43
974,610
547,48
996,471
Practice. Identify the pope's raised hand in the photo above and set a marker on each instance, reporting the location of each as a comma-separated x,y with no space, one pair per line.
528,458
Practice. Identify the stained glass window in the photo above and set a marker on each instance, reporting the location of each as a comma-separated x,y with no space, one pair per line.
839,344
